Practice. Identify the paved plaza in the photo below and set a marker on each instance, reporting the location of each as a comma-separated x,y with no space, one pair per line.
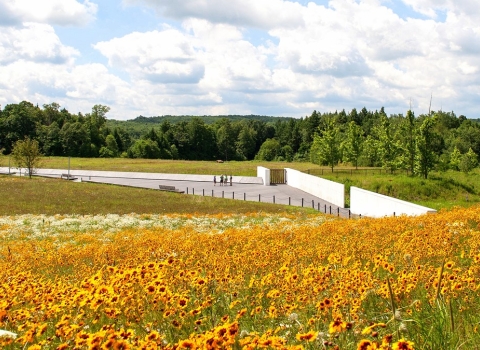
242,188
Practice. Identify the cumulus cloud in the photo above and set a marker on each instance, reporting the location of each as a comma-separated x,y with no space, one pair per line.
345,54
261,14
33,42
61,12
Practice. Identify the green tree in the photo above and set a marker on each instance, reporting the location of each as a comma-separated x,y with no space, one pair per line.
226,139
388,147
455,158
426,157
17,122
370,151
353,144
409,146
144,149
75,139
246,143
26,154
269,150
468,162
326,148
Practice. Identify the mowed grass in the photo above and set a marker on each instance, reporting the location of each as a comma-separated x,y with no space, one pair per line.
21,195
246,168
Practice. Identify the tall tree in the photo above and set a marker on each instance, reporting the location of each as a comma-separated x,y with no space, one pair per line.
226,139
409,145
388,147
326,147
353,144
426,157
26,154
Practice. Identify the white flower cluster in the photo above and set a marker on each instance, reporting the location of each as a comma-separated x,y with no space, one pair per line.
43,226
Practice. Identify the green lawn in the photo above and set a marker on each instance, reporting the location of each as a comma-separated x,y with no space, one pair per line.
21,195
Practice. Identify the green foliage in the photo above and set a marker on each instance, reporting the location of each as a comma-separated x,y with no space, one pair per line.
353,145
455,159
468,161
370,138
269,150
144,149
426,157
389,149
326,148
26,154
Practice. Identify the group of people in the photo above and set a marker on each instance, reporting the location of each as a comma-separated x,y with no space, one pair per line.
223,180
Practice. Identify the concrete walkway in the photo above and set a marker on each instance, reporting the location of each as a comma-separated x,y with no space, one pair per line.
242,188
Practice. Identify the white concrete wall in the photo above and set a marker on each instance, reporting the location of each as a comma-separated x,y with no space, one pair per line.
264,173
366,203
330,191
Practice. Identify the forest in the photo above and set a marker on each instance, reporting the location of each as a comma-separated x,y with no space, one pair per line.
418,144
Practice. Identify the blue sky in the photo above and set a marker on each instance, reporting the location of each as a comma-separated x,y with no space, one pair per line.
269,57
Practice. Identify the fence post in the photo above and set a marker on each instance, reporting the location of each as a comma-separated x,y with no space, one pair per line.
259,197
244,196
203,192
302,202
393,214
223,194
349,214
273,199
193,190
338,211
313,204
233,195
289,201
187,190
325,208
318,206
212,194
330,209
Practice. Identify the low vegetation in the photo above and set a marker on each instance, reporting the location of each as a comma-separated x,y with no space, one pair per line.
253,281
54,196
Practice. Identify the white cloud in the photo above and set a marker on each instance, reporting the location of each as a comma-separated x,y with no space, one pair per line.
160,57
432,8
33,42
261,14
61,12
347,54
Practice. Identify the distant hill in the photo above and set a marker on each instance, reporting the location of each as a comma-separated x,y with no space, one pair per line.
141,125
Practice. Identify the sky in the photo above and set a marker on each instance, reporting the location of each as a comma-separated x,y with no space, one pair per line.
221,57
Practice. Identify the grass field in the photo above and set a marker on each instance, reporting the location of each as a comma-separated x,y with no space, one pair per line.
54,196
248,168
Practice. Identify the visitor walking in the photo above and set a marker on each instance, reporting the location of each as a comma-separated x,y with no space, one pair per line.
214,180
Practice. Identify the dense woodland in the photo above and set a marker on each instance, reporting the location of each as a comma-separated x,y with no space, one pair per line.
438,140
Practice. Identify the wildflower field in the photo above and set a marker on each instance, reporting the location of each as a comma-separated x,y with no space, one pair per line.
276,281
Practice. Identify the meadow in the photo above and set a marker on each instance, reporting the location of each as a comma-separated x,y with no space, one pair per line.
250,281
100,267
55,196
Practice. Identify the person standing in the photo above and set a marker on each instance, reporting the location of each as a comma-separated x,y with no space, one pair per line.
214,180
221,180
231,180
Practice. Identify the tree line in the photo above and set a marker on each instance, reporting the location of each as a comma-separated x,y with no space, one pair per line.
437,140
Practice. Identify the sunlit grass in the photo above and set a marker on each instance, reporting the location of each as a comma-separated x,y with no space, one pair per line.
54,196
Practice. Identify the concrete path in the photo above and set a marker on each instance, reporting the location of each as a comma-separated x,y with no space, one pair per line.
242,188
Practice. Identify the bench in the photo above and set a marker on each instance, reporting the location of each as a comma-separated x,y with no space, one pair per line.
68,177
169,188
